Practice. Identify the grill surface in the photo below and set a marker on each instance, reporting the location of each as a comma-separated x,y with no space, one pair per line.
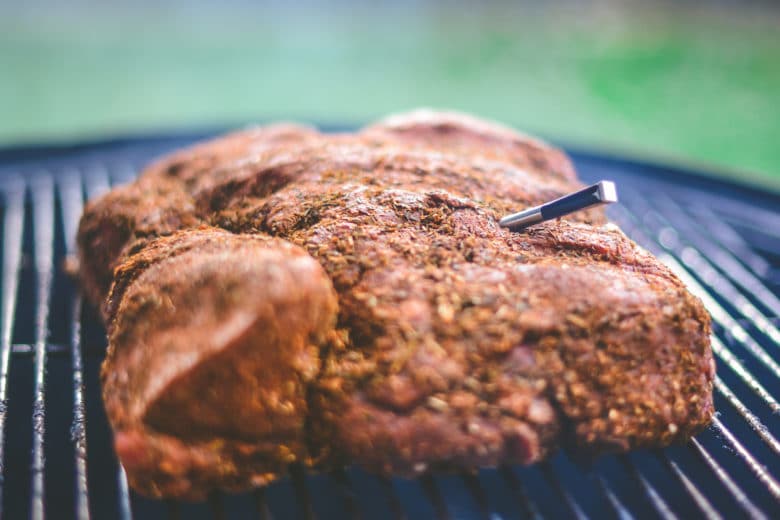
722,240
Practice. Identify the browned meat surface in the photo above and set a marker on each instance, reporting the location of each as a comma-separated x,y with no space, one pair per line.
454,344
215,342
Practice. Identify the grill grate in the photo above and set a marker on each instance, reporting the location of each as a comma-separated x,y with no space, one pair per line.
55,449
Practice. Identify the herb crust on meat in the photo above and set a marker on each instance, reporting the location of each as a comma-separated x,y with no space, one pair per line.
280,296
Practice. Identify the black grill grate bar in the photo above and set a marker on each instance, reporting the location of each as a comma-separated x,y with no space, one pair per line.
720,349
524,501
626,220
704,266
754,422
125,512
13,228
728,238
706,271
652,494
71,194
758,469
433,495
261,505
52,349
723,259
736,492
734,364
97,183
735,210
71,202
122,173
698,497
574,508
472,483
667,238
601,484
302,492
620,510
392,497
43,226
78,430
344,484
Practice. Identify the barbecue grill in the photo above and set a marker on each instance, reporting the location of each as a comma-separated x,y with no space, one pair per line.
722,239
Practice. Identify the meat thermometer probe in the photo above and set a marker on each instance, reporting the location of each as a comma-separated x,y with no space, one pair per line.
603,192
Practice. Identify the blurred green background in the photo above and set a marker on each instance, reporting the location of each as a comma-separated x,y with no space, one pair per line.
693,82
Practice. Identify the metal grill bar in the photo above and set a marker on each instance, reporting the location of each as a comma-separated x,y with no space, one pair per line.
726,261
432,492
659,503
667,238
529,508
754,422
759,470
302,492
122,173
458,498
731,361
713,255
97,183
472,483
125,511
71,193
601,484
707,272
345,486
698,497
13,227
650,492
43,225
729,239
78,428
620,510
735,210
261,506
742,499
393,499
52,349
721,285
549,473
717,346
71,201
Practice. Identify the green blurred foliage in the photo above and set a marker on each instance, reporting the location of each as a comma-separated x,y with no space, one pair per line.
685,85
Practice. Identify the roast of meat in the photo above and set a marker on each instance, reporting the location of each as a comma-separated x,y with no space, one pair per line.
279,296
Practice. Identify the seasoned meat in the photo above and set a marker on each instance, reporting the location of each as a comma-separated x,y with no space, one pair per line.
455,344
216,339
